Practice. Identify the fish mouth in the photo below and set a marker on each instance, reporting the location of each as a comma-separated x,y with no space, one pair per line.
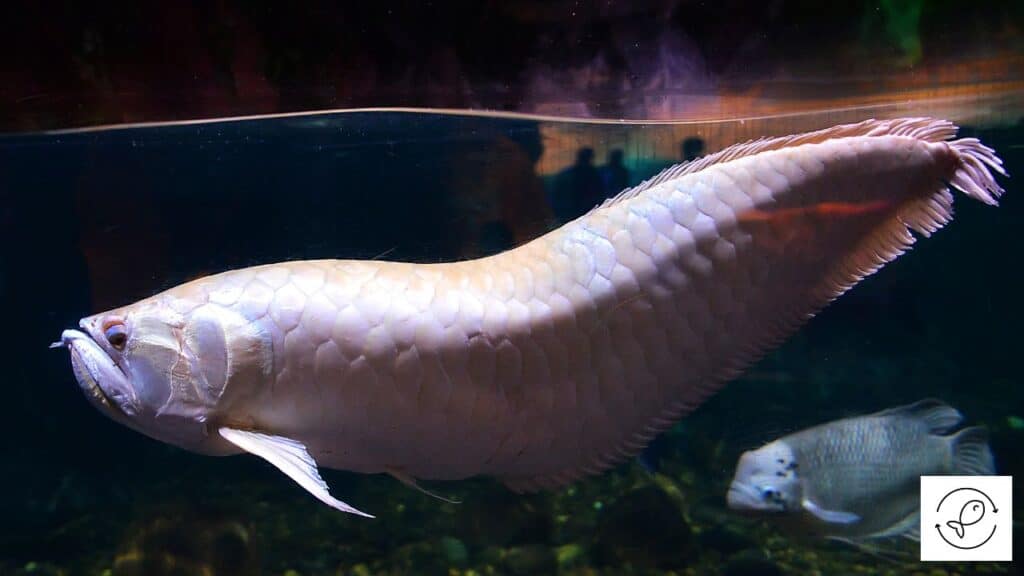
90,363
743,498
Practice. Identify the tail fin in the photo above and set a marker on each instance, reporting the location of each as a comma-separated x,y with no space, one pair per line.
974,174
971,454
957,527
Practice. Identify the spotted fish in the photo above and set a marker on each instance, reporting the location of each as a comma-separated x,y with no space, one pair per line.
858,478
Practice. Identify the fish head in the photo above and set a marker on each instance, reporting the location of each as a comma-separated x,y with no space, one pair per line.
162,367
766,480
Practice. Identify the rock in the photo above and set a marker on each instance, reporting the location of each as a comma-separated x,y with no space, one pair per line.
498,517
455,551
491,556
529,560
644,529
191,545
38,569
726,538
360,570
424,557
570,556
750,563
229,551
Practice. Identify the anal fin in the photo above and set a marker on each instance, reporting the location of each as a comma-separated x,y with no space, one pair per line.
411,482
292,458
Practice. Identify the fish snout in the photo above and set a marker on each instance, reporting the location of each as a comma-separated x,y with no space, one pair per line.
66,338
743,498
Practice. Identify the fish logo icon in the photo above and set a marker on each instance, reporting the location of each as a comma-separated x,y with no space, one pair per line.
966,518
968,530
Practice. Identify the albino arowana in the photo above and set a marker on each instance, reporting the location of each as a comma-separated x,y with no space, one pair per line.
548,362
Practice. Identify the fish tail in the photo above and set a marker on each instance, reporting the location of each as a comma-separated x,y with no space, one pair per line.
957,527
974,173
971,454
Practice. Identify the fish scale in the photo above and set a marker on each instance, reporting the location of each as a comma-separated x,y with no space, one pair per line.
565,355
626,360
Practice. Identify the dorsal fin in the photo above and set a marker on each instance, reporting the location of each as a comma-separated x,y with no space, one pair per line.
927,129
939,416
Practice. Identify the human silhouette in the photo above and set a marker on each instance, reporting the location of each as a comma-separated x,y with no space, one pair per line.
692,148
614,174
578,188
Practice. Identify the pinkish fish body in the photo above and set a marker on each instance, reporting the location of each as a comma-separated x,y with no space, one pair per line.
548,362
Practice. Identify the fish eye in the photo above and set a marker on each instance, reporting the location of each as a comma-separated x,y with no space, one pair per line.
116,333
769,493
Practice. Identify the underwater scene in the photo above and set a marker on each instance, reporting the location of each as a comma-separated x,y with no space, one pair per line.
513,288
130,212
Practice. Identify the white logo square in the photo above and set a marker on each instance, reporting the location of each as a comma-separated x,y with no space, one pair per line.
966,518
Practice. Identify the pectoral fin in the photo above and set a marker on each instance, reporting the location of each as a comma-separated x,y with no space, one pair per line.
289,456
830,516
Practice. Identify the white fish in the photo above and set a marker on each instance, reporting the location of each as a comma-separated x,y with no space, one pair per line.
859,478
548,362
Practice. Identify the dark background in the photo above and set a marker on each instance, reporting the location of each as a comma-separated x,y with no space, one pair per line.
85,63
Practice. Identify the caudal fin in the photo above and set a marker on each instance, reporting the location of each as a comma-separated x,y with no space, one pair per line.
974,174
971,454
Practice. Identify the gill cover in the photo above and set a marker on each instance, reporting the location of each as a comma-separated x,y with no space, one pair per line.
214,348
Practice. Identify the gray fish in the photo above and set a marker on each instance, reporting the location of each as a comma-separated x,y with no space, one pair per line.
858,478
